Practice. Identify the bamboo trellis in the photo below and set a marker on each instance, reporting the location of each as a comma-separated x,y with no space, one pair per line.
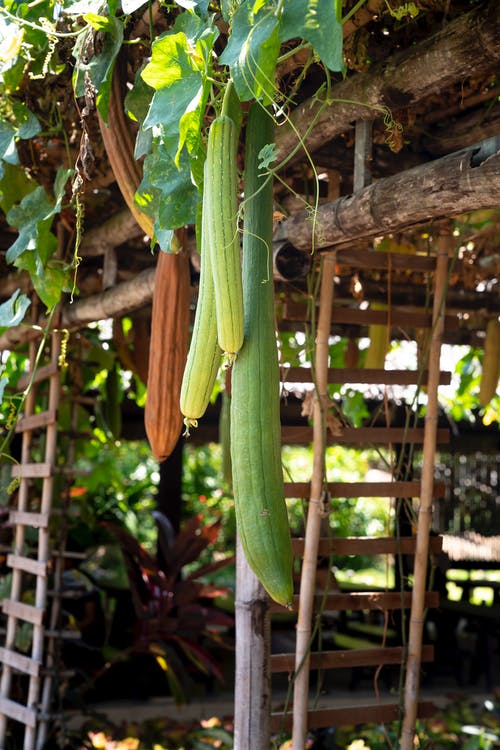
30,563
303,717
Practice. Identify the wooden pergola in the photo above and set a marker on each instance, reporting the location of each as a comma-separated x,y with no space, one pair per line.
407,148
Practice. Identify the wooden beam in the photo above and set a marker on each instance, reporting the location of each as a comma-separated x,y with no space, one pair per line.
364,489
367,545
344,375
336,717
302,435
358,601
365,657
456,184
467,46
114,302
395,317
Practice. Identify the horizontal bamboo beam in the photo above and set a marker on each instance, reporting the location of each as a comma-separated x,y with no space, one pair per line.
364,489
367,546
359,601
365,657
342,375
299,435
396,317
456,184
375,261
337,717
463,48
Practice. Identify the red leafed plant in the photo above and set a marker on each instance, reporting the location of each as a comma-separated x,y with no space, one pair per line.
176,615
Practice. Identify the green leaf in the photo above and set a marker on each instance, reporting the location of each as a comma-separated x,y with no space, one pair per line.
27,123
178,105
8,150
169,104
99,67
318,22
26,216
36,244
168,192
171,61
3,382
252,53
12,311
138,99
14,185
267,156
50,286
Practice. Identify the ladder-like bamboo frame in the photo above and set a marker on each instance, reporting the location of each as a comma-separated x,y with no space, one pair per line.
22,565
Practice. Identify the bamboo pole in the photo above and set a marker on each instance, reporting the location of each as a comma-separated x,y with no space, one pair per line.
445,244
314,513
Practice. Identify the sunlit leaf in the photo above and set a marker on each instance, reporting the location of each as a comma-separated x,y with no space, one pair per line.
26,122
130,6
252,53
171,61
12,311
171,194
318,22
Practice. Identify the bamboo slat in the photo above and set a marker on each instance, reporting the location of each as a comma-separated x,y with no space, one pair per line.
396,317
299,435
22,611
375,261
37,421
32,471
343,375
358,601
19,661
27,565
16,711
25,518
365,489
351,658
367,546
336,717
42,373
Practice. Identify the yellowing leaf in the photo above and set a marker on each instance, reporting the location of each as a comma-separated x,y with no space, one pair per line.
10,46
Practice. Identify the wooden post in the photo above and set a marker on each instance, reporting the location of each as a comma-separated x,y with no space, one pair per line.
314,513
252,691
445,244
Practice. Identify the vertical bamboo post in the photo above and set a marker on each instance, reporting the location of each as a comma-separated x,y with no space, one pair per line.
314,514
252,685
445,243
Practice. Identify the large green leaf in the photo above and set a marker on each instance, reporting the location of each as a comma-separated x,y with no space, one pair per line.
319,23
8,150
26,122
34,209
50,280
167,191
12,311
14,185
26,216
252,53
